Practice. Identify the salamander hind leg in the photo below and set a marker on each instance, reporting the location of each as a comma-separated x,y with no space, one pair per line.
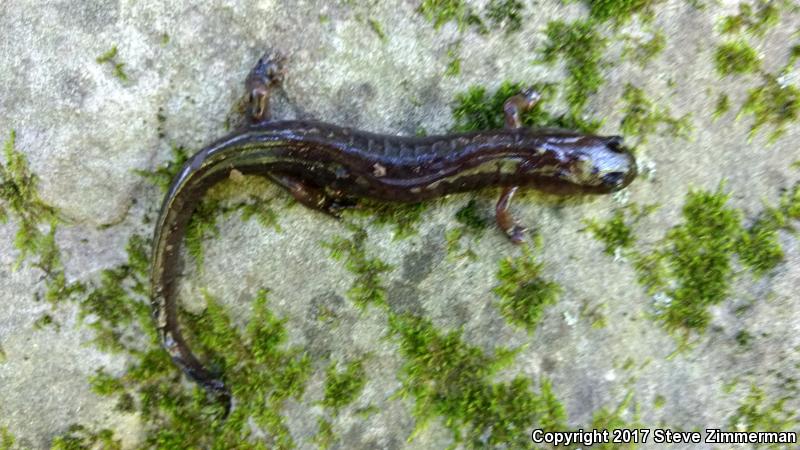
262,79
505,221
312,196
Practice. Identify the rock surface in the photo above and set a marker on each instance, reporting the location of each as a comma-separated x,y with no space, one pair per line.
380,66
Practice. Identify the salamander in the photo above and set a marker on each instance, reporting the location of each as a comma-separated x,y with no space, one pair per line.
328,167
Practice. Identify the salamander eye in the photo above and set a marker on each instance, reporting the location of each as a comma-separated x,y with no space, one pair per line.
615,143
613,178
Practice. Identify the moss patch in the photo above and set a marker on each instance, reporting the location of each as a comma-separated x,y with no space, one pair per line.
581,47
403,217
722,106
616,233
500,14
439,12
645,51
368,286
472,226
477,109
755,18
452,379
112,308
505,14
342,388
643,117
6,439
523,292
692,266
261,372
619,11
759,248
110,57
454,65
756,412
613,419
325,437
772,103
214,204
19,198
163,175
78,437
736,58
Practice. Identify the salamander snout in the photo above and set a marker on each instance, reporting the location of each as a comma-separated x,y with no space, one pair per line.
619,171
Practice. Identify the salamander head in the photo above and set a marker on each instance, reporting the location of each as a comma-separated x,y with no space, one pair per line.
600,164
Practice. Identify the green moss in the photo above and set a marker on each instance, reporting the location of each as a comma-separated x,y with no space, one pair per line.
659,401
743,338
342,388
619,11
114,306
790,203
45,321
756,412
258,366
615,233
723,106
110,57
581,47
754,18
440,12
404,217
692,267
368,286
759,249
451,379
476,109
203,223
79,437
378,29
696,4
104,384
773,104
471,219
325,437
523,292
163,176
6,439
506,14
642,117
472,225
454,66
644,52
606,419
19,198
736,58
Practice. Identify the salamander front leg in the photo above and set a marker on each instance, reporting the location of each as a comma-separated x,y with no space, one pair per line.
311,196
262,79
518,104
513,109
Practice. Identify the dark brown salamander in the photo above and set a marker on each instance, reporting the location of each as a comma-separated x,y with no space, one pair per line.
326,167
